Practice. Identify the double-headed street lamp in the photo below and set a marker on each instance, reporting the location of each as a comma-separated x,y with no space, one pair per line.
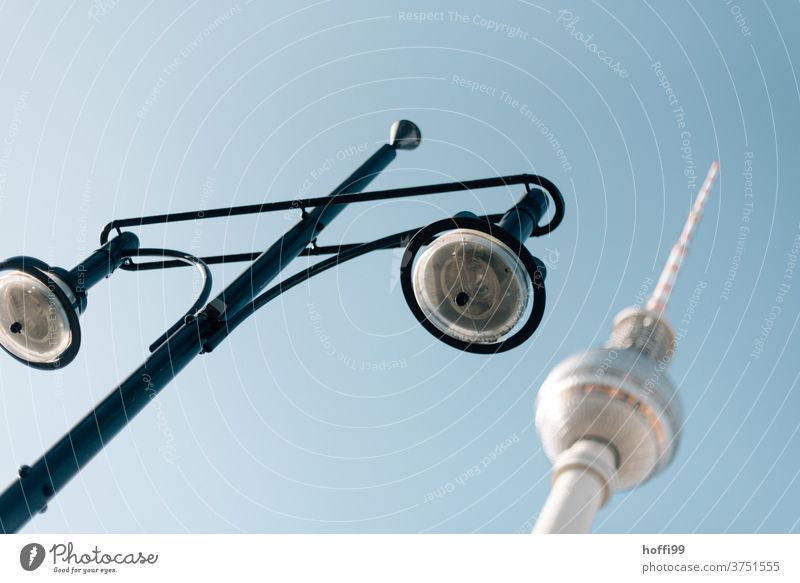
469,280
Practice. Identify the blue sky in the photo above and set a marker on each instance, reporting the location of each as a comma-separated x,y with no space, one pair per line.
332,410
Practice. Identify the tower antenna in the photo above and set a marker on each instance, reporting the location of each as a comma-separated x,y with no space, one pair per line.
658,301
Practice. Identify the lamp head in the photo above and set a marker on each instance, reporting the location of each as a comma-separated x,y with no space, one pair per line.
39,312
473,285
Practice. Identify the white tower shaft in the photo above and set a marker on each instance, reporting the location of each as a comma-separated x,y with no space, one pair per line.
582,482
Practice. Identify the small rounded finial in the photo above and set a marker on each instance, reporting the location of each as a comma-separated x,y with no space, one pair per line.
404,135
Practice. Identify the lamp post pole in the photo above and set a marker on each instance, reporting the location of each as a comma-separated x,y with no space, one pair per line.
37,484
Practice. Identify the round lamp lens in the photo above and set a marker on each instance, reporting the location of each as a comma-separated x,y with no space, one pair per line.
471,286
34,324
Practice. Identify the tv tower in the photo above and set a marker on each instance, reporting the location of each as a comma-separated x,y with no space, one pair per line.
609,418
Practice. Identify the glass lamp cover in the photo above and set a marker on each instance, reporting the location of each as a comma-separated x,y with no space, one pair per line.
34,325
471,286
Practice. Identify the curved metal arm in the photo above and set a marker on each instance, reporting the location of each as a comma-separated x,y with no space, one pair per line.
392,241
528,180
185,259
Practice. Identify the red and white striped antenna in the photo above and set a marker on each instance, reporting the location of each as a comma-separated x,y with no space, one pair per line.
658,301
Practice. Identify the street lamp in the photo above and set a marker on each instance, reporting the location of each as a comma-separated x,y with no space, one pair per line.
40,305
475,286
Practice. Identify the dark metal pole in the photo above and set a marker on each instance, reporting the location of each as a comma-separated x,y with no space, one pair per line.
250,283
37,484
522,218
